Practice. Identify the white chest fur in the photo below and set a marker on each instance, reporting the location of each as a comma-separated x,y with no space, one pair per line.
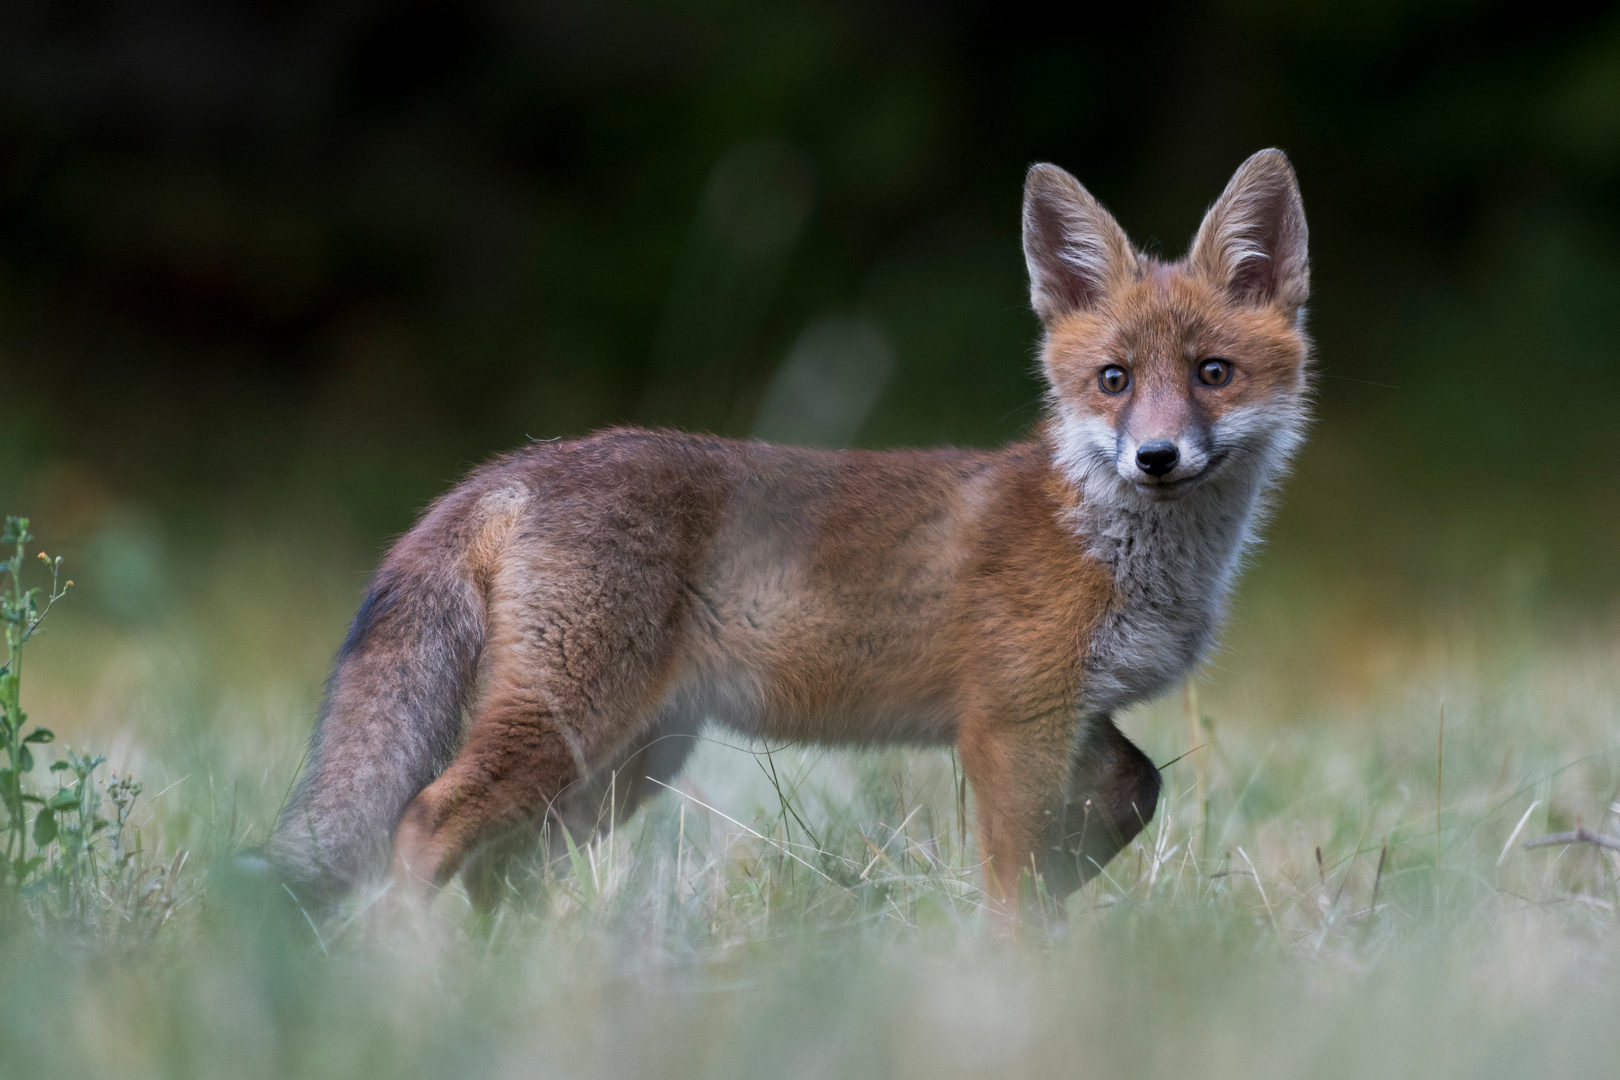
1173,564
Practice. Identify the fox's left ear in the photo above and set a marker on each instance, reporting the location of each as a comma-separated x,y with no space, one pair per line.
1253,239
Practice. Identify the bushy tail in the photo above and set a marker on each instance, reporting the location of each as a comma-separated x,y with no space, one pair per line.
391,721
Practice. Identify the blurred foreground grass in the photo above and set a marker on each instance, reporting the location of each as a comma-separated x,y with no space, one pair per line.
706,937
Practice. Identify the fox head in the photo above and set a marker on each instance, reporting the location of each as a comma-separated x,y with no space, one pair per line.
1166,377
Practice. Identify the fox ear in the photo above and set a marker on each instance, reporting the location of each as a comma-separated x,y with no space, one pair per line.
1253,239
1074,249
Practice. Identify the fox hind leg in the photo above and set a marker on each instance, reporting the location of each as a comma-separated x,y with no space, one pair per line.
509,863
563,693
516,761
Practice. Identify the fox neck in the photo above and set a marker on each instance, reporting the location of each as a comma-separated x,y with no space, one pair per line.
1173,564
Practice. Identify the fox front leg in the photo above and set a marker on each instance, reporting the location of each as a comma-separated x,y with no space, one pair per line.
1112,793
1018,772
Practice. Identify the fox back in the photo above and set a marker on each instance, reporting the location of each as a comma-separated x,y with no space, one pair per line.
593,604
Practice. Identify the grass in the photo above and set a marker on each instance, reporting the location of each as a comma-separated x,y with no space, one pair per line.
1293,908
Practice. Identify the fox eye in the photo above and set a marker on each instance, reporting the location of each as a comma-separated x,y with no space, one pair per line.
1214,372
1113,379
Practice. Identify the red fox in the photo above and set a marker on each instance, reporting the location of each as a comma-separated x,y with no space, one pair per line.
586,600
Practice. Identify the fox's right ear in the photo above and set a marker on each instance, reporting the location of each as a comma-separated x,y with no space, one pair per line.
1074,249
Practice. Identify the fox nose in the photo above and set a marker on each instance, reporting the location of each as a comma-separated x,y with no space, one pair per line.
1157,457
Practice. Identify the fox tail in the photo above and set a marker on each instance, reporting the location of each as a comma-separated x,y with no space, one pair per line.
391,720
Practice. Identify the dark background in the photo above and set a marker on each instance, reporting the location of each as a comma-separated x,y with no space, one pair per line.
288,269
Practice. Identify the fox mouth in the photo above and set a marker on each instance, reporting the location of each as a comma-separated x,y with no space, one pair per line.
1171,490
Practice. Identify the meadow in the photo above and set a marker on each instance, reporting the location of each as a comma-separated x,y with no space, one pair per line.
1330,887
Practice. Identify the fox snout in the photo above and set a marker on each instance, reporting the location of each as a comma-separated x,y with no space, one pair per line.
1162,465
1161,436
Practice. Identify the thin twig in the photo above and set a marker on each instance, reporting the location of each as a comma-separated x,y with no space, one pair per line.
1579,836
1178,757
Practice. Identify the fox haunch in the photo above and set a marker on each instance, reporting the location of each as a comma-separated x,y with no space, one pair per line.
591,604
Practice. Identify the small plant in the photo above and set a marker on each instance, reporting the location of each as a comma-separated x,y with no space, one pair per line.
74,823
62,853
22,613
